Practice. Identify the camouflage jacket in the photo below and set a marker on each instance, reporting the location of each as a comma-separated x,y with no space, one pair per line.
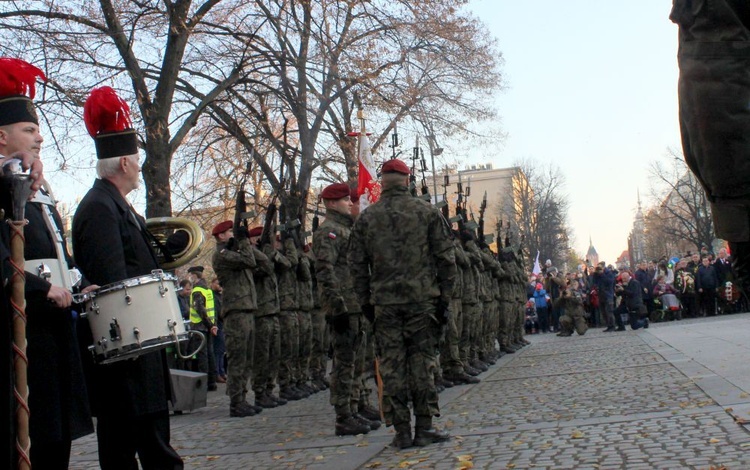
304,283
235,268
471,273
286,275
331,247
401,251
266,284
462,262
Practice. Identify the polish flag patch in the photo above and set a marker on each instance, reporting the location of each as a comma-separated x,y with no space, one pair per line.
331,235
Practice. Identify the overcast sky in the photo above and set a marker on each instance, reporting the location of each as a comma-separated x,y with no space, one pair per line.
591,86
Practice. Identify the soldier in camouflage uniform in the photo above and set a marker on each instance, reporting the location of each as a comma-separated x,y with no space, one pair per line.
469,301
286,275
234,262
305,300
475,314
507,297
330,245
450,354
402,260
267,340
320,337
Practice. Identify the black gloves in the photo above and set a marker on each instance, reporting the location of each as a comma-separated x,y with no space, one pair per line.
340,323
242,233
368,310
443,312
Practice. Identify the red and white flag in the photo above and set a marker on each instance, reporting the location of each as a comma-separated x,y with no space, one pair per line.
367,181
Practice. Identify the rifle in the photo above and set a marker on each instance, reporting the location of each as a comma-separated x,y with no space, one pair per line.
241,214
470,224
482,209
425,188
413,175
316,219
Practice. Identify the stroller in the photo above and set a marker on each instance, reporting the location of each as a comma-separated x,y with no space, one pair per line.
671,308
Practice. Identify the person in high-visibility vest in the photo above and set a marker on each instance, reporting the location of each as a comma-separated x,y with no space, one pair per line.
203,318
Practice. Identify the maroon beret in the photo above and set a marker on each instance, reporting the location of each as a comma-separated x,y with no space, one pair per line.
255,231
395,166
335,191
222,227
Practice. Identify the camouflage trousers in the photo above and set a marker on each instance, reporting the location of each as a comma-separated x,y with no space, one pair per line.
506,322
489,327
575,320
477,325
407,338
305,347
450,356
320,341
345,381
366,365
469,312
289,348
239,328
267,353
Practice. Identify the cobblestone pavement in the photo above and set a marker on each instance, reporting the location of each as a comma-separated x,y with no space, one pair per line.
662,398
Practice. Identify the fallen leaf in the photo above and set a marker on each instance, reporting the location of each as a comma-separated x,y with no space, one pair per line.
577,435
517,443
713,440
465,458
278,457
362,444
373,465
746,444
298,434
511,465
465,465
212,457
319,457
744,395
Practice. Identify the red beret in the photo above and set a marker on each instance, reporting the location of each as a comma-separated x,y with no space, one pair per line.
222,227
354,196
255,231
395,166
335,191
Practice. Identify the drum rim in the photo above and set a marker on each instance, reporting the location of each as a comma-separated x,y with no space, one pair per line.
136,281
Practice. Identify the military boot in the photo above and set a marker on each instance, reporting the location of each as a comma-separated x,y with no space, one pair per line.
288,393
372,424
265,401
369,412
425,434
402,439
463,378
279,401
479,365
349,426
472,371
507,349
241,410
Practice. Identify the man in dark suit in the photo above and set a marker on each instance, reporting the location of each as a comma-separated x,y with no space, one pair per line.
110,244
632,302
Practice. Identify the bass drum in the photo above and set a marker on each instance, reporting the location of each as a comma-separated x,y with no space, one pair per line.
134,317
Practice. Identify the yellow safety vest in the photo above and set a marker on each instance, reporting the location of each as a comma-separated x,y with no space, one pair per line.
195,318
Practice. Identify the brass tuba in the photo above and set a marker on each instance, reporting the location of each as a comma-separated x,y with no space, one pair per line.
187,233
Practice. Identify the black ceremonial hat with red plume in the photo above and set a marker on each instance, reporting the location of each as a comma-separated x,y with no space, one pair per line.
107,118
17,89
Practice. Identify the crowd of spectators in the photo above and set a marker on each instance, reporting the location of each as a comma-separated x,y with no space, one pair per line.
696,285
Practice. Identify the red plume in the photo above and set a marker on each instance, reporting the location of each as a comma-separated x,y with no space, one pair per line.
18,77
104,112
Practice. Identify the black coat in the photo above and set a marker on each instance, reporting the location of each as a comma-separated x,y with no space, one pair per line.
632,295
57,391
110,245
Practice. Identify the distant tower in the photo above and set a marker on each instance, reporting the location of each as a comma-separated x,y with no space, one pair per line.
638,234
592,255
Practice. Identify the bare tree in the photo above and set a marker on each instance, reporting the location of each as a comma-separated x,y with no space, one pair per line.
541,207
683,211
143,49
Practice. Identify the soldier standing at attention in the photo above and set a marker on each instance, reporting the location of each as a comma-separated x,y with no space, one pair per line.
234,262
402,260
343,311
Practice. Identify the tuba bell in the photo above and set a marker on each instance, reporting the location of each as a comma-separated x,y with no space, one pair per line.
182,237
